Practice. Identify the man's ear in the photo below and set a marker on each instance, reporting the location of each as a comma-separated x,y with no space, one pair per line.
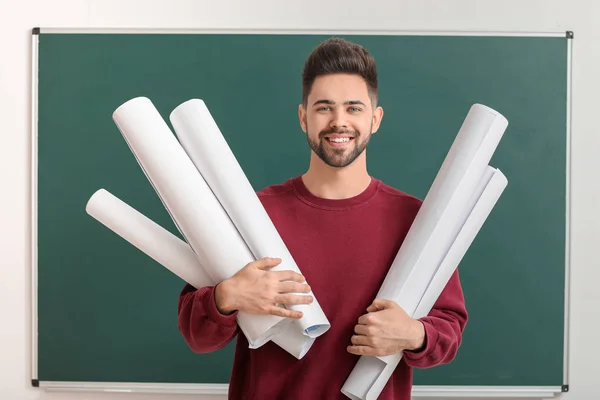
377,117
302,117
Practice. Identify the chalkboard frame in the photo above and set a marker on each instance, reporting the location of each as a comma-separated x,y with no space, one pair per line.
418,391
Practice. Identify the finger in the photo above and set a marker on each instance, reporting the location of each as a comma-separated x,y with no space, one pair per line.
360,340
362,330
367,319
285,313
267,262
294,287
382,304
290,299
363,350
372,308
288,275
375,306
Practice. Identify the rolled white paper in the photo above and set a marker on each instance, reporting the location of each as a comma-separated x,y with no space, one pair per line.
147,236
294,341
441,215
208,149
370,375
450,200
449,225
463,241
191,204
172,253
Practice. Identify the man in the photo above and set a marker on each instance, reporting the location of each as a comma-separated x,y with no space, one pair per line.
343,228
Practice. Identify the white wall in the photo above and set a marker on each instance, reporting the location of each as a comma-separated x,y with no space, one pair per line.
18,17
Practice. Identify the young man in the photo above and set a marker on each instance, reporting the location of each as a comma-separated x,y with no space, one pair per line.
343,228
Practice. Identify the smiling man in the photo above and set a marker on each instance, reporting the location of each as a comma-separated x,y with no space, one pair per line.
344,228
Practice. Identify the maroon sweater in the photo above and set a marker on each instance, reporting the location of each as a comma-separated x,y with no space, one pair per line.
344,248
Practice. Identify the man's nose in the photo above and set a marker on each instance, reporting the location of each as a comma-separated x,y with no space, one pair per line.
338,120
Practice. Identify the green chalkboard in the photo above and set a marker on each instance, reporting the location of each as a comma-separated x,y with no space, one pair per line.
108,313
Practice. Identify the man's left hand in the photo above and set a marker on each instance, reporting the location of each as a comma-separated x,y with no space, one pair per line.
386,329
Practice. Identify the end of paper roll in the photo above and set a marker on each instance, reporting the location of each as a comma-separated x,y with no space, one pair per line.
315,331
480,106
368,372
304,349
256,339
131,102
312,324
98,194
297,351
293,341
191,103
502,179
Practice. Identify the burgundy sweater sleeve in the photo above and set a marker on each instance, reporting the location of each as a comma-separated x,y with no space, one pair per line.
204,328
444,326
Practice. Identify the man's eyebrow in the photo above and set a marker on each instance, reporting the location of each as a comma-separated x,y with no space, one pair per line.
331,102
353,102
324,101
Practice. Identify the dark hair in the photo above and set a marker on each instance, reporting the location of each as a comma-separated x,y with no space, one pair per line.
337,55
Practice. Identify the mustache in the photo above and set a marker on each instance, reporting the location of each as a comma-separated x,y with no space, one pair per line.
340,131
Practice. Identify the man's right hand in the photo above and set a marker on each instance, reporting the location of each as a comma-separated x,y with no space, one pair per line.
255,290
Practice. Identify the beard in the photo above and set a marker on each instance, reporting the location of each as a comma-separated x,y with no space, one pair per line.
338,158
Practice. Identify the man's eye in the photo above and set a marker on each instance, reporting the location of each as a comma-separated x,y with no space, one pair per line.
323,109
354,109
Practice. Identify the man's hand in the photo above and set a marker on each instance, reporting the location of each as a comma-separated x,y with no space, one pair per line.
386,329
255,290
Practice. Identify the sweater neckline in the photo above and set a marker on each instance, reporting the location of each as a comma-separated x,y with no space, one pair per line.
334,204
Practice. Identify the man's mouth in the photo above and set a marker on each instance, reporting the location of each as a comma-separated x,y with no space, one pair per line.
339,139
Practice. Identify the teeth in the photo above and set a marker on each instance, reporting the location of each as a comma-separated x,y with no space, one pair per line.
339,140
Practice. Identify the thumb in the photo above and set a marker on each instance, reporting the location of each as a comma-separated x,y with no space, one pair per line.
267,262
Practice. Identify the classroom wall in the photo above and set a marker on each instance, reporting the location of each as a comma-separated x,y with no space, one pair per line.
17,19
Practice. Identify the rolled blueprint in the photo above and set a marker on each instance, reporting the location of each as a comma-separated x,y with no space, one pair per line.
370,375
208,149
172,253
457,187
191,204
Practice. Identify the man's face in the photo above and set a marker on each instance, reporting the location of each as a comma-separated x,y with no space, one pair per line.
339,118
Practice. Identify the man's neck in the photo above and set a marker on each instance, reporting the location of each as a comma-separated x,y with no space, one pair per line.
336,183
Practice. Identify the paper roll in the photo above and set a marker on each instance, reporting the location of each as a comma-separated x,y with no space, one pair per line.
409,292
147,236
190,202
208,149
292,340
463,241
439,219
371,374
456,189
172,253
